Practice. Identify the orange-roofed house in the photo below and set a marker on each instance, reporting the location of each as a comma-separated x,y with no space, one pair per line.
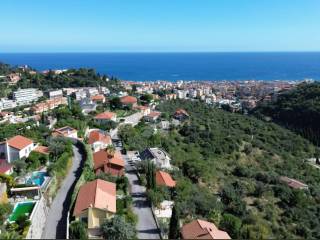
98,99
96,201
99,140
105,117
16,148
42,150
181,114
66,131
145,110
129,101
152,116
107,163
164,179
200,229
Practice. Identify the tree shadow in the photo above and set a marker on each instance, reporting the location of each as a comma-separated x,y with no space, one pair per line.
62,224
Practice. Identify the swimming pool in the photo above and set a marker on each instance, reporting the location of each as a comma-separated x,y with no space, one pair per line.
22,209
37,178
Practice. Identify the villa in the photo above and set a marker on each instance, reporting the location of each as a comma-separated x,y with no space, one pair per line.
158,156
108,163
165,179
200,229
98,140
66,131
98,99
181,115
152,116
145,110
96,201
16,148
105,117
129,101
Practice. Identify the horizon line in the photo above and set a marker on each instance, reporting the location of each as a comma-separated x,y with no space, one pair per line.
126,52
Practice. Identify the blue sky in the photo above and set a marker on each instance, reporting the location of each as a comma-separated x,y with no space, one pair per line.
159,25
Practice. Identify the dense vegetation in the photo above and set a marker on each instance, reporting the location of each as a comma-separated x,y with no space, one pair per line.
81,77
297,109
229,169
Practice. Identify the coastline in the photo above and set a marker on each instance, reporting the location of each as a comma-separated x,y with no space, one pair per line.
174,67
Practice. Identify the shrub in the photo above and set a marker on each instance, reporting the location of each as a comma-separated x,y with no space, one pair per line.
77,230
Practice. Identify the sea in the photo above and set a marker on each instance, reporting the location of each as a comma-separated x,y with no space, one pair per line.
211,66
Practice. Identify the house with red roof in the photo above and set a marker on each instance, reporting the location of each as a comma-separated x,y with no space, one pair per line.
42,149
105,117
99,140
200,229
66,131
5,167
16,148
129,101
293,183
152,116
108,163
164,179
96,201
98,98
145,110
181,114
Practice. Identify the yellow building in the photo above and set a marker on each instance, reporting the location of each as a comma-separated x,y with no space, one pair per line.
95,202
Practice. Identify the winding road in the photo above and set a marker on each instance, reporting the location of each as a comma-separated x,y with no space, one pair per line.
146,226
56,224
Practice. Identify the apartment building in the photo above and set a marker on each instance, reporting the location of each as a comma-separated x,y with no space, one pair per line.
26,96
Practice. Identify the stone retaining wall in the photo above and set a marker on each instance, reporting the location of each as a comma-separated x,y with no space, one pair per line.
38,220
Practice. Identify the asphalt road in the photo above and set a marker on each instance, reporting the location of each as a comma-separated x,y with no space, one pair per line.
56,224
146,227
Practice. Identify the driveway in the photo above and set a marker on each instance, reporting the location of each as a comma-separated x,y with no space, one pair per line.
133,119
146,227
56,224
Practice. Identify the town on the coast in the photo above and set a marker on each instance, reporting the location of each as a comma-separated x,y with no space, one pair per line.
84,155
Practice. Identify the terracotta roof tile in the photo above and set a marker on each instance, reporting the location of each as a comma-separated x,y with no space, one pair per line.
97,136
19,142
98,98
98,194
42,149
101,157
164,179
199,229
128,100
105,115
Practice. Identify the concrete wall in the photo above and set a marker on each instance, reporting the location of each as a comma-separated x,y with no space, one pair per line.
38,220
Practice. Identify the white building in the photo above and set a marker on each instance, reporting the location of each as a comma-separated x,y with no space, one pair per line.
26,96
99,140
16,148
181,94
160,158
7,104
192,93
56,94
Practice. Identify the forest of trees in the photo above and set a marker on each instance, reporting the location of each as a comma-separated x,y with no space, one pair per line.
297,109
229,169
82,77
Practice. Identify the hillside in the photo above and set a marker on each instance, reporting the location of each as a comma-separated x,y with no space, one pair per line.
297,109
82,77
238,160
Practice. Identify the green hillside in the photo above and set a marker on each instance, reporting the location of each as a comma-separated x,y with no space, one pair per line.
238,160
297,109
